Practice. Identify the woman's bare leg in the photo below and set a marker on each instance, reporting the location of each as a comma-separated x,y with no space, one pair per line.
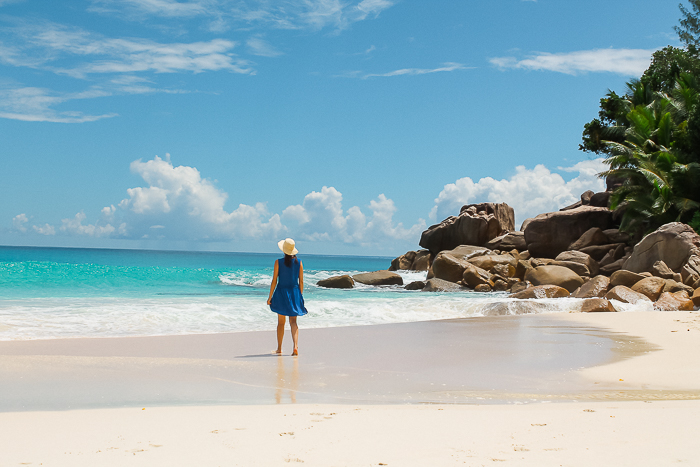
281,319
295,334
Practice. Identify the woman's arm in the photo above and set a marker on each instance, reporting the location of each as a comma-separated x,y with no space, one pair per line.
301,277
273,284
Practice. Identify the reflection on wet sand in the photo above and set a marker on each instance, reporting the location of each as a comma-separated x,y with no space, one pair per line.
287,379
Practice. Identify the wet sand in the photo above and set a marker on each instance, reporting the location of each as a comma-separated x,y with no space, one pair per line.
578,390
456,361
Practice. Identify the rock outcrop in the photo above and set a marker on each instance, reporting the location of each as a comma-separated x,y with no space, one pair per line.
475,225
542,291
337,282
594,288
597,305
378,278
439,285
412,261
554,275
673,243
626,295
549,234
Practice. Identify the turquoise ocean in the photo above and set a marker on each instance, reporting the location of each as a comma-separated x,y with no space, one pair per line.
70,292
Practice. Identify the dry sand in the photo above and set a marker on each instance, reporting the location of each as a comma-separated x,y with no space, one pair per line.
639,410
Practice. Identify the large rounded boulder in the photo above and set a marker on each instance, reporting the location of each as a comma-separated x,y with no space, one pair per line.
378,278
554,275
672,243
448,267
475,225
337,282
549,234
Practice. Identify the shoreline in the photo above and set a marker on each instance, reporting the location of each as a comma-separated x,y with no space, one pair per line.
629,425
469,360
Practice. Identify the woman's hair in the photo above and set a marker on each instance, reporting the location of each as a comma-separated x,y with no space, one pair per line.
288,259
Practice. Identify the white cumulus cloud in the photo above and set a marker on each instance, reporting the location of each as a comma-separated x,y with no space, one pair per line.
529,192
46,229
321,217
19,222
628,62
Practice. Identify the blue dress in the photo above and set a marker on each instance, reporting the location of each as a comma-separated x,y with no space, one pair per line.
287,299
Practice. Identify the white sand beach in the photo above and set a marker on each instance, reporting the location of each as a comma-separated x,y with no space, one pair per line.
640,407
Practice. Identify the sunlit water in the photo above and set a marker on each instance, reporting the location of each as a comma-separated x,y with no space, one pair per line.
66,292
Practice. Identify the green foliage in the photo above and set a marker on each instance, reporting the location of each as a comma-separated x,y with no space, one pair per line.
650,136
667,65
695,222
689,29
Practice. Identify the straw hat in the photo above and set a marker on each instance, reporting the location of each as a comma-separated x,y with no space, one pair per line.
287,247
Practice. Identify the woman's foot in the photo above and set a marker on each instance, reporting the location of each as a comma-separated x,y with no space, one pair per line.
277,352
295,352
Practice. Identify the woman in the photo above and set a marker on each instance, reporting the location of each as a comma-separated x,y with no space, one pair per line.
286,292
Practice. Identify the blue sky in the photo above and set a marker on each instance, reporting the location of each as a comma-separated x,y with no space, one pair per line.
350,126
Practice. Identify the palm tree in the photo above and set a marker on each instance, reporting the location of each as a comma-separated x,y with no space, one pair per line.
659,177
